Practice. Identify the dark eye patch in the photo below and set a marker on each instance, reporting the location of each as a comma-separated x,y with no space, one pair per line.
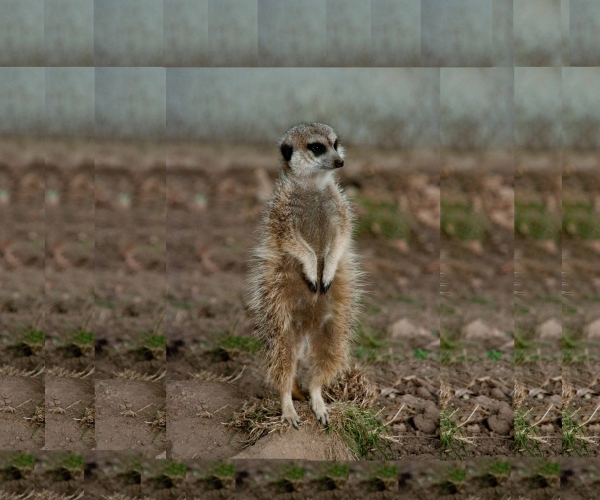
286,151
335,145
317,148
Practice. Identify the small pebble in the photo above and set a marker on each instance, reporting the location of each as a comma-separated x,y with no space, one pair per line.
400,427
497,393
424,393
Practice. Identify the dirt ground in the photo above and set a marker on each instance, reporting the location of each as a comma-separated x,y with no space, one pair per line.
21,297
124,371
477,327
215,198
103,473
581,307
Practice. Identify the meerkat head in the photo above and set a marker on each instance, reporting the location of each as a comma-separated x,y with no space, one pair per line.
310,149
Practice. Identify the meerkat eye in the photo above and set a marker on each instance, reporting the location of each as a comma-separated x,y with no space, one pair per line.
286,151
335,144
317,148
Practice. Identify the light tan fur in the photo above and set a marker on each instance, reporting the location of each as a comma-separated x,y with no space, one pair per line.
304,278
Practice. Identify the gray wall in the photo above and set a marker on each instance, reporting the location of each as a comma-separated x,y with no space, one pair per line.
439,33
459,108
395,107
523,93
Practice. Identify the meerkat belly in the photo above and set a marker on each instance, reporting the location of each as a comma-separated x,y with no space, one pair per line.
308,310
317,225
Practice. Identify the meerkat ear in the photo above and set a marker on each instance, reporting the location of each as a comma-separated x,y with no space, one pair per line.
286,151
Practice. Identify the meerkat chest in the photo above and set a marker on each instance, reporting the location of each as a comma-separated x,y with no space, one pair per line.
318,218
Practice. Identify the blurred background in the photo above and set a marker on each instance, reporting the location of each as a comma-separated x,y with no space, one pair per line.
478,159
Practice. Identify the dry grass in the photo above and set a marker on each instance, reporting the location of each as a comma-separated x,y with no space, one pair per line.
446,393
351,418
353,388
89,417
528,436
568,393
520,395
144,377
159,422
39,416
15,372
206,376
39,495
577,440
59,371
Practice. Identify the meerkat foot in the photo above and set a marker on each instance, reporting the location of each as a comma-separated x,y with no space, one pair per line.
291,417
288,413
320,409
312,285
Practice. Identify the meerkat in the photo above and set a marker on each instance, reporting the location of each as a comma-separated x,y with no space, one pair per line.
305,279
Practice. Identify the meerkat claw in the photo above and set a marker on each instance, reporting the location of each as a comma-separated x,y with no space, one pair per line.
325,287
321,411
312,285
293,420
323,419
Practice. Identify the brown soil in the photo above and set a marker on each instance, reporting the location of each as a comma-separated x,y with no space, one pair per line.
68,399
477,311
22,222
22,399
481,403
107,472
579,478
196,413
125,410
300,444
223,195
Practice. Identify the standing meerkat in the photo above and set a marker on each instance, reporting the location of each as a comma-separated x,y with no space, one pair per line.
305,278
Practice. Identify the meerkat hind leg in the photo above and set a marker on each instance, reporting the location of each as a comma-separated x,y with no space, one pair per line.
317,404
328,354
286,390
288,412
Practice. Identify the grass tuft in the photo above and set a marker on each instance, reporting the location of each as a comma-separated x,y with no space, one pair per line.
453,481
528,438
351,417
576,440
453,437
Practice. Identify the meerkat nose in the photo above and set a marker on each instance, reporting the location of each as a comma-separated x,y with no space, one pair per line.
338,163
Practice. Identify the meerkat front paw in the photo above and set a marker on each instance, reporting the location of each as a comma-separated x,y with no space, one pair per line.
328,275
311,284
291,417
320,410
